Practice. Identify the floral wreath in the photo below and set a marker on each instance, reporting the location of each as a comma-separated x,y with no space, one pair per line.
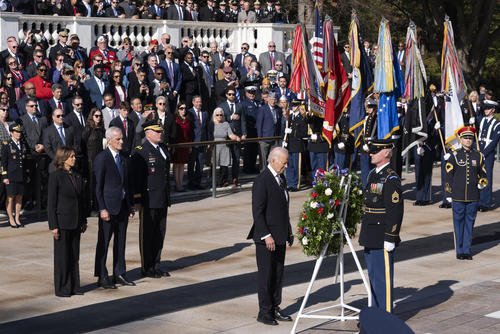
319,218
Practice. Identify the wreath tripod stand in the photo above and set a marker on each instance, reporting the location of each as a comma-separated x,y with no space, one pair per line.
345,183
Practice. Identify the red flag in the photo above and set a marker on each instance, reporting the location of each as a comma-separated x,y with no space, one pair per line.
338,91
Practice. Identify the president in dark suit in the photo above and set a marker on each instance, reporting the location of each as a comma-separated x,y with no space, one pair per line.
271,230
67,216
114,201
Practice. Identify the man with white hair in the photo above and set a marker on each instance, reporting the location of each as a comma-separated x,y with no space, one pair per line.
271,230
220,55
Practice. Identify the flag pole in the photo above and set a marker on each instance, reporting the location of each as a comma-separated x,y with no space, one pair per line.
439,131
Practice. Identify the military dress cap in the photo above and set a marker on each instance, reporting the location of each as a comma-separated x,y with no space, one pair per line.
371,102
466,131
222,3
151,124
377,145
251,88
277,3
15,127
63,32
489,104
297,102
374,320
234,3
256,3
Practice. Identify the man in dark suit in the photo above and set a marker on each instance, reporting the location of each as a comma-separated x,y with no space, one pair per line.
207,13
271,230
235,116
178,13
30,91
127,126
166,119
57,135
190,77
173,76
208,83
114,10
199,125
114,200
268,125
56,102
140,87
157,11
76,119
151,164
240,57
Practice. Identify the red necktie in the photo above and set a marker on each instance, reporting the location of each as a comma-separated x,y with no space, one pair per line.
125,126
59,105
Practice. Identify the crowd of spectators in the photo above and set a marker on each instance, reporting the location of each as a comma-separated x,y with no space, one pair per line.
181,10
66,95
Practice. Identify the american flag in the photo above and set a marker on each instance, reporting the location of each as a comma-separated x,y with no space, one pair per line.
317,40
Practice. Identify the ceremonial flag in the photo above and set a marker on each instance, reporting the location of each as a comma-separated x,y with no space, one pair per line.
415,127
453,85
317,40
361,81
388,82
338,91
306,76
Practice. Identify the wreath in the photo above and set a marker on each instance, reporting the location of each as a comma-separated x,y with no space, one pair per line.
319,218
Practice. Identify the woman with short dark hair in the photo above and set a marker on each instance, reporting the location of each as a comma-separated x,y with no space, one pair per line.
66,210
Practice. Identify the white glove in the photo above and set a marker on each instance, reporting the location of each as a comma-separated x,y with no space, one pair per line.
314,137
366,148
472,120
446,156
389,246
481,186
341,146
448,199
437,126
285,144
288,130
420,151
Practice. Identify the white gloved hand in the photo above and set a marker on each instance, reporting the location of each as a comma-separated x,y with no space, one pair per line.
285,144
288,130
437,126
366,148
481,186
314,137
389,246
420,151
448,199
341,146
446,156
472,120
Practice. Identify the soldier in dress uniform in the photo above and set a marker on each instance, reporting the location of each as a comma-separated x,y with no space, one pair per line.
465,176
381,222
259,12
151,167
369,133
489,135
397,159
317,146
344,142
250,107
294,134
13,174
232,14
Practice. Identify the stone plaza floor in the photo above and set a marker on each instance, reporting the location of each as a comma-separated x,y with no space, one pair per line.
213,284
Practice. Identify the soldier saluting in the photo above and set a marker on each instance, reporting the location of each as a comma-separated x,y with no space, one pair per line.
465,176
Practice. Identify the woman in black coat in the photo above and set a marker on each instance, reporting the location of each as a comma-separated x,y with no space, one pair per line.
67,220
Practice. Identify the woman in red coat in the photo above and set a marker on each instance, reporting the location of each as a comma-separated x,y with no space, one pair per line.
181,154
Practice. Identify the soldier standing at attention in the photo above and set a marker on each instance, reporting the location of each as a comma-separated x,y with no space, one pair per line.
381,222
295,133
465,176
151,165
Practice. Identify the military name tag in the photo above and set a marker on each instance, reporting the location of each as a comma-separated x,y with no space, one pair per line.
474,162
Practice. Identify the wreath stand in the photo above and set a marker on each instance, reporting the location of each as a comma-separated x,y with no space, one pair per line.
345,183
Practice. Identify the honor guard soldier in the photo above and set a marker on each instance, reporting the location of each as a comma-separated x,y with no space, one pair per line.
397,159
294,134
465,176
317,146
489,134
369,133
151,166
344,142
381,222
13,174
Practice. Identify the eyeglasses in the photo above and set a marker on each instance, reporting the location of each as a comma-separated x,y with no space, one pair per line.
108,100
204,56
116,76
228,72
38,56
42,69
97,60
97,116
169,53
271,46
12,63
244,48
59,59
181,108
59,116
31,105
159,73
230,94
77,104
218,115
278,64
8,78
161,103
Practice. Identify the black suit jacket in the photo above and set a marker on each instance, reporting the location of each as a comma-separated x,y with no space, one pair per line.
237,126
189,80
52,140
110,188
52,106
128,137
66,204
270,210
33,132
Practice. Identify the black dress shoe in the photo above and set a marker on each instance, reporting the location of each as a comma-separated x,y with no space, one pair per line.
278,315
150,273
77,293
162,273
417,203
105,283
445,206
424,203
460,256
467,257
62,295
267,321
120,279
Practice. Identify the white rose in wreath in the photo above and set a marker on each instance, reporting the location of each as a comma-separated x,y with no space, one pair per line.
328,192
330,215
304,241
313,205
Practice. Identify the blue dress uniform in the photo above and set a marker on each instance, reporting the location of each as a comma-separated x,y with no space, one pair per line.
381,222
251,150
489,135
151,167
368,134
295,145
465,174
13,155
344,143
317,146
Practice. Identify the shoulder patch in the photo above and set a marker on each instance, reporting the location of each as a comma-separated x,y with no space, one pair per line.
449,167
395,197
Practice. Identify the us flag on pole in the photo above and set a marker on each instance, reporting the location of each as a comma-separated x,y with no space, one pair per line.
317,40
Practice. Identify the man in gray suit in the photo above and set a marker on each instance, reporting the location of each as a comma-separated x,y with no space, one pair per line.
247,15
269,58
